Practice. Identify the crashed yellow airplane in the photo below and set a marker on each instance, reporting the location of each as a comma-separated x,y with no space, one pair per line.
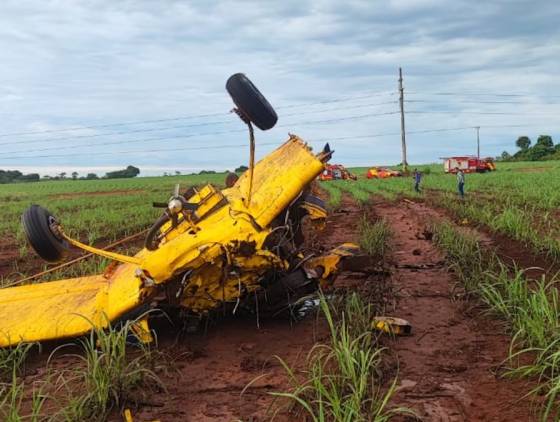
236,248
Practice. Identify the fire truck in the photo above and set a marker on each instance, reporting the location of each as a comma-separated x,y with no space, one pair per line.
469,164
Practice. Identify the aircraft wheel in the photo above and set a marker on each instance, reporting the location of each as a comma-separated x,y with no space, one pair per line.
153,237
37,224
251,102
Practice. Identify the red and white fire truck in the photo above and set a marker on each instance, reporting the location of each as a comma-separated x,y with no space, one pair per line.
469,164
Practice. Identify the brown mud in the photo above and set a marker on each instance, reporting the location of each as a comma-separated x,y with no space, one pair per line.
449,368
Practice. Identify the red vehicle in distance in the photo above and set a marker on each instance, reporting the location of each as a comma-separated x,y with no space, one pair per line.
469,164
336,172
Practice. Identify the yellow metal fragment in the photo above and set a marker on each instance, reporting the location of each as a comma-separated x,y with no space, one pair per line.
141,330
391,325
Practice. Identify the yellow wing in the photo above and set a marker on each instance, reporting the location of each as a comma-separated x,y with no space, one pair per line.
66,308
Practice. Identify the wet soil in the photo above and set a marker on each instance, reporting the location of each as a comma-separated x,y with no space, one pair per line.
449,369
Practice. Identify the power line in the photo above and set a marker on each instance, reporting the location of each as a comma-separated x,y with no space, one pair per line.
126,132
486,94
192,135
478,102
130,123
500,113
110,125
337,100
211,147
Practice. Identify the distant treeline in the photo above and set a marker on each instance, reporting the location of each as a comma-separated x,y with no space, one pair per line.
238,170
543,149
16,176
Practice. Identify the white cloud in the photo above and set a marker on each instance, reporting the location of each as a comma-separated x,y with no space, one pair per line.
71,63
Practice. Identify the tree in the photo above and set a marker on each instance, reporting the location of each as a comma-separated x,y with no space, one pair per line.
523,142
177,173
74,175
505,156
31,177
546,142
91,176
129,171
62,175
538,152
241,169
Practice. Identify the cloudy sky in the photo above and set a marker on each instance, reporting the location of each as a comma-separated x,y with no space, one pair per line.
98,85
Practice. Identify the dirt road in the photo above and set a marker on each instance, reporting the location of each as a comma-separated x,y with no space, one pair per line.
446,369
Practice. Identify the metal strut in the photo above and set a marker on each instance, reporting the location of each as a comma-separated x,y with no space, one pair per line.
246,120
251,162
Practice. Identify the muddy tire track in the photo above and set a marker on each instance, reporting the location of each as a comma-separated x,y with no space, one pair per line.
448,367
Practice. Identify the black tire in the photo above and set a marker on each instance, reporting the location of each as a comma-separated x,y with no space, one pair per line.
251,102
36,224
152,243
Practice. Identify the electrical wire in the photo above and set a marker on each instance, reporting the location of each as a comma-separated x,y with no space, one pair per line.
136,122
145,130
478,102
484,94
192,135
212,147
499,113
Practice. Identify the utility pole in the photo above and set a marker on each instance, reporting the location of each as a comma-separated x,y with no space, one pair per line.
477,141
403,136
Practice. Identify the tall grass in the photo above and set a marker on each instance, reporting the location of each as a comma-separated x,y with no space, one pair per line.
12,359
531,309
341,381
335,195
12,388
12,408
108,375
374,237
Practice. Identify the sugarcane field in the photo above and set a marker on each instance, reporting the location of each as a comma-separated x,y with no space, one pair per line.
263,211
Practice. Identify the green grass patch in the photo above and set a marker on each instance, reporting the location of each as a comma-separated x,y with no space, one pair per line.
107,376
341,381
374,236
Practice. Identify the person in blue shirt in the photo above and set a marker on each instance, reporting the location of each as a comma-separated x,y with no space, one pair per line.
417,177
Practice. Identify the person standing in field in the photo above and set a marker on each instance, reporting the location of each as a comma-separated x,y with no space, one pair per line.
460,182
417,177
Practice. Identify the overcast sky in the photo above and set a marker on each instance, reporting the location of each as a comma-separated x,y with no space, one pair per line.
147,79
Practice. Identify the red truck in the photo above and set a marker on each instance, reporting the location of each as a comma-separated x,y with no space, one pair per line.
469,164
